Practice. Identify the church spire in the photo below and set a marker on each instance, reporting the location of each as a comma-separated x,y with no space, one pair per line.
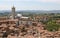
13,6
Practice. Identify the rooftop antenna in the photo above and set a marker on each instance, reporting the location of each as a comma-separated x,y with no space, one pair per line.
13,6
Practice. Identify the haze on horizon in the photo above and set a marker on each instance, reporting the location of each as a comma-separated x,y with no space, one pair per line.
30,4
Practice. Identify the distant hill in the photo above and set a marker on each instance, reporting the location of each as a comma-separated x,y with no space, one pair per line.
39,11
5,12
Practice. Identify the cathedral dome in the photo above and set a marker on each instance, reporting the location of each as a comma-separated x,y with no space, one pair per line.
19,15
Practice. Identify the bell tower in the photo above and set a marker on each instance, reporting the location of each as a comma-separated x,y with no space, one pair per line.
13,12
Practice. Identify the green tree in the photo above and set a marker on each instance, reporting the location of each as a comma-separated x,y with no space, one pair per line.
52,26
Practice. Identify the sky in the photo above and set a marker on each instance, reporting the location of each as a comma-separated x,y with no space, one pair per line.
30,4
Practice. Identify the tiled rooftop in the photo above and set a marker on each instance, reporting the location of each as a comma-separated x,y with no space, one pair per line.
35,30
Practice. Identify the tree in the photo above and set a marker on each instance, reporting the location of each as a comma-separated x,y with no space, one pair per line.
52,26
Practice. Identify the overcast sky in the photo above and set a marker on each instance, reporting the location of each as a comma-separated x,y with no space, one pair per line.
30,4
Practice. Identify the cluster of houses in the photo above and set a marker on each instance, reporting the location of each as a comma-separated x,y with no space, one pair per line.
19,26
